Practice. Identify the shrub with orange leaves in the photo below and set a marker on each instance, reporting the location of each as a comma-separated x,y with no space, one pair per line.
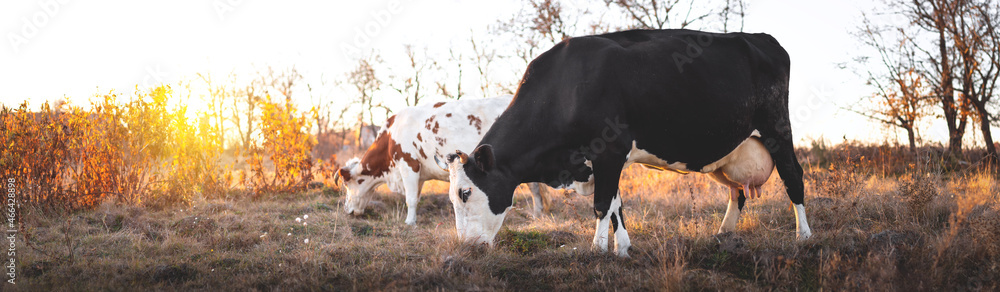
35,144
130,151
287,145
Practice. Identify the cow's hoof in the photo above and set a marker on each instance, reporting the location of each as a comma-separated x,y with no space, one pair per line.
803,235
411,222
623,253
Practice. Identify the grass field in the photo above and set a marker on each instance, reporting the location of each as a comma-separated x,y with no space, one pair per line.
923,230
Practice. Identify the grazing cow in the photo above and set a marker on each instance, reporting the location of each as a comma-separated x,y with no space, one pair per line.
687,99
401,155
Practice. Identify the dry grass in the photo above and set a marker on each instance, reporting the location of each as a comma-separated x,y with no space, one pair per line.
916,231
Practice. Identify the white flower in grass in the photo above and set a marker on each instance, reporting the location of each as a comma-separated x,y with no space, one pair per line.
306,216
289,234
298,219
305,223
307,240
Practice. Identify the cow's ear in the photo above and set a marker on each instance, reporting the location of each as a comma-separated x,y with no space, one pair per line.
342,173
461,156
484,157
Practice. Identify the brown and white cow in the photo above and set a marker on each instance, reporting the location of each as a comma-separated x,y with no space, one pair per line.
402,156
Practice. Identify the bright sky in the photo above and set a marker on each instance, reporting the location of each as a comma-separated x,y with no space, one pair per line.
56,48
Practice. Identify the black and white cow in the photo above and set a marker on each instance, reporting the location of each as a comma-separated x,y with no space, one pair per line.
685,98
401,155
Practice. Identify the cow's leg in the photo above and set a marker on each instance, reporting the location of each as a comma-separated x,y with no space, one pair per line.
622,242
606,176
777,138
732,211
541,199
411,188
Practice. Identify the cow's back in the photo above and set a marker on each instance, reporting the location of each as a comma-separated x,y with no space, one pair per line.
441,128
685,96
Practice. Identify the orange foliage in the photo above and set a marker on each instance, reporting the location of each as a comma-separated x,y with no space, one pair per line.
131,152
287,144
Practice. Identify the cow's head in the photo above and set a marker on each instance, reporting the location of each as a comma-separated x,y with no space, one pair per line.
476,217
358,186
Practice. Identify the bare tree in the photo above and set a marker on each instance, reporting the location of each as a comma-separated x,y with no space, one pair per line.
484,57
245,112
660,14
366,84
901,95
735,10
411,86
962,58
442,86
973,33
218,95
284,81
538,26
933,17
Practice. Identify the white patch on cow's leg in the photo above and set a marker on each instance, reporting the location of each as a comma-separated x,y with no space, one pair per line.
622,241
801,225
601,233
732,215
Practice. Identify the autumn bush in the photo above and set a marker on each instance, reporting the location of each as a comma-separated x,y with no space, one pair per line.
138,150
282,162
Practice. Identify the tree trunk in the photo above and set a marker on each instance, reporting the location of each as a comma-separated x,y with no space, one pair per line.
947,94
912,138
984,124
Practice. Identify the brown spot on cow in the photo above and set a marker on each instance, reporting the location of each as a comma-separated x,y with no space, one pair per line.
448,115
418,138
422,153
437,105
361,181
475,121
383,154
440,140
429,122
388,123
435,129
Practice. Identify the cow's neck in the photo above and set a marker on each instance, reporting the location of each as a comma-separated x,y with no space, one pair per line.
524,143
